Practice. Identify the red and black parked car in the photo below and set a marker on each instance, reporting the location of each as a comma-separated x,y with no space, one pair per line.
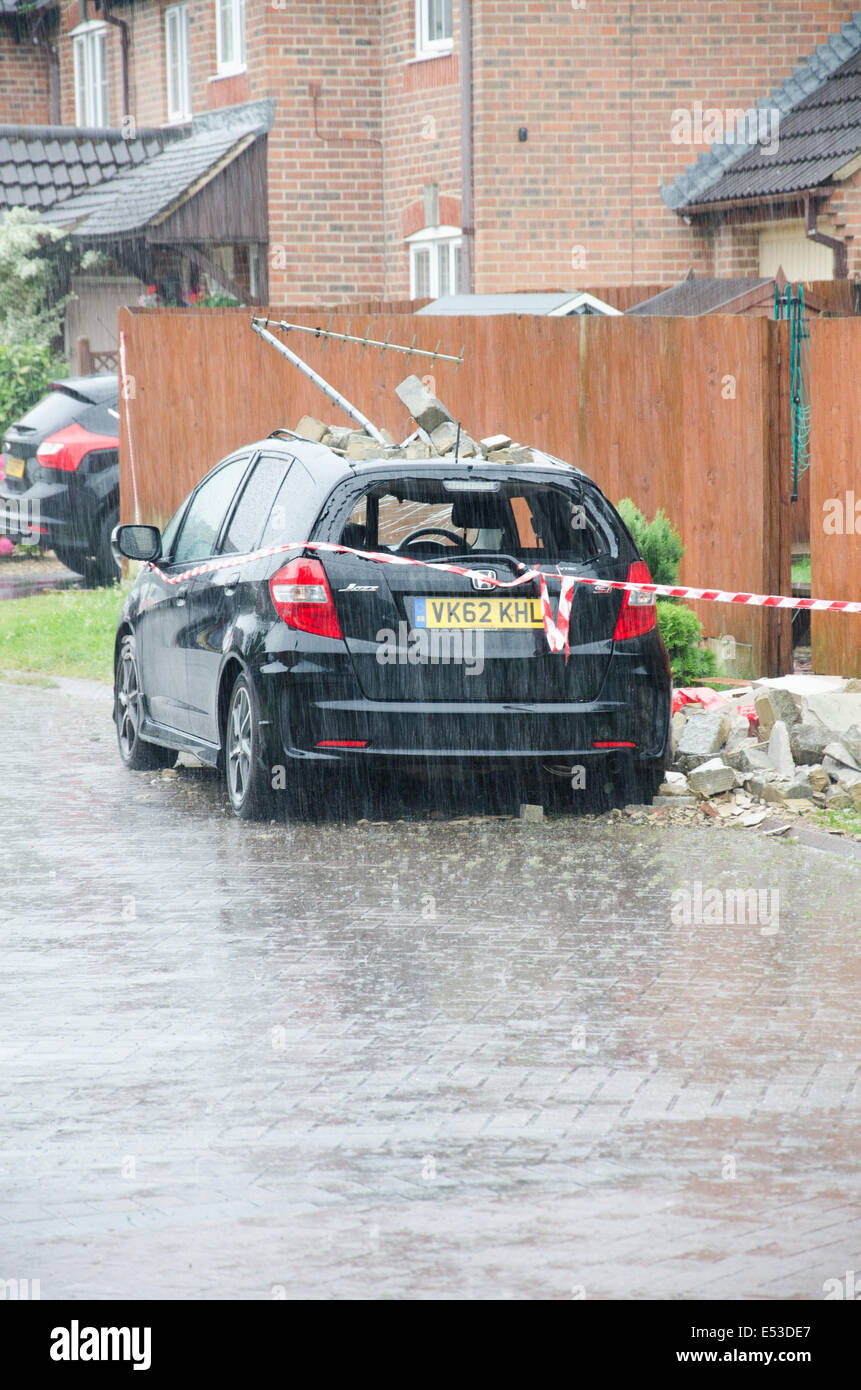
278,667
60,483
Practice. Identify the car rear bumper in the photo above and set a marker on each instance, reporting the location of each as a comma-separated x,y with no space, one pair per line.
50,513
631,719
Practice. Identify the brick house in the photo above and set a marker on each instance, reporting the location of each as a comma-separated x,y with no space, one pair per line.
578,119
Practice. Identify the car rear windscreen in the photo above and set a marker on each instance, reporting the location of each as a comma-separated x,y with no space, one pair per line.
530,521
55,411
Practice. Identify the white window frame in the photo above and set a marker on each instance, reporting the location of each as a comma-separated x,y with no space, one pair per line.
176,51
434,239
426,47
230,15
91,74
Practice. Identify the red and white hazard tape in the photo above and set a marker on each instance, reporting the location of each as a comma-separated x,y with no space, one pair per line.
556,630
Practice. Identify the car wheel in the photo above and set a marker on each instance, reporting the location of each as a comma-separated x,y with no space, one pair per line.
245,771
99,567
137,755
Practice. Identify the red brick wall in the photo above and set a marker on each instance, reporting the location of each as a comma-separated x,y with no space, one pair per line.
595,87
845,207
597,95
421,104
24,93
325,187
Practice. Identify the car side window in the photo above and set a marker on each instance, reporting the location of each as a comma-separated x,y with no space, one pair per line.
202,523
294,509
169,533
255,504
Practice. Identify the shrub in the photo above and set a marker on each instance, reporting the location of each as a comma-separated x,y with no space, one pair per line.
682,632
31,309
658,541
661,547
26,371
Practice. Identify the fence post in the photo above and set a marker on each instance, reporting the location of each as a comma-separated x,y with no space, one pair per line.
85,359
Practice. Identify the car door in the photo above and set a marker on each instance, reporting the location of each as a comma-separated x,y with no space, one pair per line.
216,600
170,646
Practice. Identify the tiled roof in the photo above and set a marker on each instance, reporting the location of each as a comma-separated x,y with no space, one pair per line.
130,201
696,296
43,165
819,131
98,184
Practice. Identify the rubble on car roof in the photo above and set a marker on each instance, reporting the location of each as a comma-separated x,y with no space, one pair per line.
436,436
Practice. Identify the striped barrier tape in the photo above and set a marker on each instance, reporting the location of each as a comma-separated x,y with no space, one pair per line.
556,630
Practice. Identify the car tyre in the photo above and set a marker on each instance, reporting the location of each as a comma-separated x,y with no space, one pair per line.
246,772
136,754
99,566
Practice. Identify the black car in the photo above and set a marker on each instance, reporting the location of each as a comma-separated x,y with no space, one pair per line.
276,666
61,479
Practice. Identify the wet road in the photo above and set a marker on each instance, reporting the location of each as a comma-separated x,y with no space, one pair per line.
419,1059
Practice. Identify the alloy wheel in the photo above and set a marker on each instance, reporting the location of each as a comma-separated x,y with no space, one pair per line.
239,749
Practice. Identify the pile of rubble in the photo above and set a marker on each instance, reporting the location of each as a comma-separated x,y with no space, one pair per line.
791,746
436,436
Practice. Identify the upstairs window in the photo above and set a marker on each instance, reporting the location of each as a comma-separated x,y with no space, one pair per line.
230,35
91,75
435,262
433,27
177,63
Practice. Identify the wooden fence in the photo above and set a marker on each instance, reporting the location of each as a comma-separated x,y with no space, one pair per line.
688,415
835,490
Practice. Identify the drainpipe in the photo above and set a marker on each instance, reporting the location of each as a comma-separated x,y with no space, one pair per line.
124,49
841,268
467,229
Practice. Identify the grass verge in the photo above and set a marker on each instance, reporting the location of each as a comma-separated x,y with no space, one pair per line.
65,632
848,821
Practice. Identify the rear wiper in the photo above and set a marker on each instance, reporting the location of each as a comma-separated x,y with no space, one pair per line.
482,555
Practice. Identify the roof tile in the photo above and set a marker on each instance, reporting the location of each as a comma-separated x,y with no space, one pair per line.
819,131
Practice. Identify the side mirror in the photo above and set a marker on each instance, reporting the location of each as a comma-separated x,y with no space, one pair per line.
137,542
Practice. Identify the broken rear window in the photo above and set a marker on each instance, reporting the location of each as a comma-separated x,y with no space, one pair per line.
530,521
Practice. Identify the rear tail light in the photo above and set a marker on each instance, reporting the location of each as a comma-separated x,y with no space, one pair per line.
302,598
637,614
65,449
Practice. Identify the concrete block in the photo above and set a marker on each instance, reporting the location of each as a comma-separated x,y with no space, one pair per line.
779,752
836,711
426,410
311,428
444,436
362,446
712,778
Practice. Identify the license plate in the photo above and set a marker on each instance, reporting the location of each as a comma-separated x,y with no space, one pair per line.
15,466
477,613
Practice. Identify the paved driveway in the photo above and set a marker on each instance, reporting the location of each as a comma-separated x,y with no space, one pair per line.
420,1058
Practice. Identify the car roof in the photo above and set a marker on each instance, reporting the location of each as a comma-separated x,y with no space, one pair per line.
329,467
96,388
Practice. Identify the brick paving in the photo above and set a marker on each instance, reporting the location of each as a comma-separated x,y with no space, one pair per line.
421,1058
